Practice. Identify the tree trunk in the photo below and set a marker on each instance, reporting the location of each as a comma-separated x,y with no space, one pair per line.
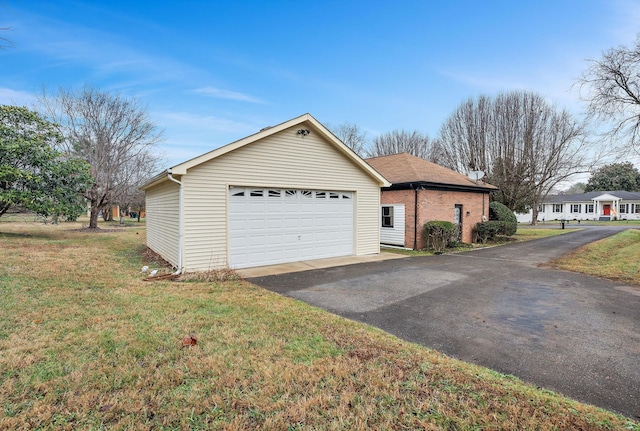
4,208
93,217
534,215
95,207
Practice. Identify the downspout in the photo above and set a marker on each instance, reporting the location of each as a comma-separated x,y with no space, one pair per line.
415,217
484,217
180,199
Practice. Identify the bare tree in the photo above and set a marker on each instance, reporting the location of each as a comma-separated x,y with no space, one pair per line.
524,145
351,135
110,132
402,141
5,42
611,87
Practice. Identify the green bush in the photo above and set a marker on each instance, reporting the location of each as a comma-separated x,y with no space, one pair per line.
487,230
439,235
499,212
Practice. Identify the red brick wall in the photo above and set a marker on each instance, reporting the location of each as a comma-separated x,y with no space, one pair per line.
438,205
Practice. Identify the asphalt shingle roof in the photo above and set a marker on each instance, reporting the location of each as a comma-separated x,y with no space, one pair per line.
405,168
584,197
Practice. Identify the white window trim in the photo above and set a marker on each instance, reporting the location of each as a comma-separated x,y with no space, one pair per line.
390,216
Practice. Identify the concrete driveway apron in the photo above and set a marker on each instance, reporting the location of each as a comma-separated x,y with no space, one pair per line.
500,308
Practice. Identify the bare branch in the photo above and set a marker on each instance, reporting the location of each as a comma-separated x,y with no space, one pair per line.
113,134
611,88
351,135
524,145
402,141
6,42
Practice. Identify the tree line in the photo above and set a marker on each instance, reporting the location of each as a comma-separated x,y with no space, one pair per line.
85,149
525,145
93,146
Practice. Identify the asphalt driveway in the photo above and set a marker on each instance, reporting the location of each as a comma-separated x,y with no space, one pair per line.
500,308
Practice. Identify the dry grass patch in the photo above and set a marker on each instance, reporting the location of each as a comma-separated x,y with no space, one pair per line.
616,258
86,344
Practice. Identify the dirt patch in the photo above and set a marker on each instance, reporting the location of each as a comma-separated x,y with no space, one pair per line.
151,257
115,228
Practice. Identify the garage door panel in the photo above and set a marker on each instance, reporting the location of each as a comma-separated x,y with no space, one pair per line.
268,226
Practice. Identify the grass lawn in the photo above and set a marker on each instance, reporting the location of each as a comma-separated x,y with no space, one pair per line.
589,222
86,344
523,234
527,234
616,258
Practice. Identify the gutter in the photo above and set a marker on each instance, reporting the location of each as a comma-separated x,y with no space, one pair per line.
180,230
425,185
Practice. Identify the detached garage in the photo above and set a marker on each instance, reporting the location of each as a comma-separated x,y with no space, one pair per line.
288,193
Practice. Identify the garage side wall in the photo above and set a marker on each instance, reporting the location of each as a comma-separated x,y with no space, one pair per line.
162,208
282,160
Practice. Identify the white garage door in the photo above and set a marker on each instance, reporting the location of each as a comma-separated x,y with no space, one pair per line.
269,226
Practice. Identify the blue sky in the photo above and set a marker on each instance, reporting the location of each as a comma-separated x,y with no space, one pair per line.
212,72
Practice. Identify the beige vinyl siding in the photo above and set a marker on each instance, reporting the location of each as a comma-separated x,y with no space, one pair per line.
282,160
162,208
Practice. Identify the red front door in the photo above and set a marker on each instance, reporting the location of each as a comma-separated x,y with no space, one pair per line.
606,209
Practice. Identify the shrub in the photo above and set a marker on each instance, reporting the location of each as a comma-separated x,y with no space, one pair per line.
499,212
439,235
487,230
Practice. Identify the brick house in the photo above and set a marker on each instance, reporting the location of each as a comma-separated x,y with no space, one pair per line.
423,191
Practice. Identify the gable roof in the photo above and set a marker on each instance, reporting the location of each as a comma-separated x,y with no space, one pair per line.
589,196
306,119
405,169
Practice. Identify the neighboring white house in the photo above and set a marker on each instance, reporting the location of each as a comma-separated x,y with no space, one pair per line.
616,205
288,193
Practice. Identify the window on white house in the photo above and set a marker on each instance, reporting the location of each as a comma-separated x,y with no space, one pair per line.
623,208
589,208
575,208
557,208
540,208
387,216
637,209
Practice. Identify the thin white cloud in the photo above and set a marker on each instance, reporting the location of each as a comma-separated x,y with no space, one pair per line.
188,135
106,54
482,83
206,122
219,93
9,96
